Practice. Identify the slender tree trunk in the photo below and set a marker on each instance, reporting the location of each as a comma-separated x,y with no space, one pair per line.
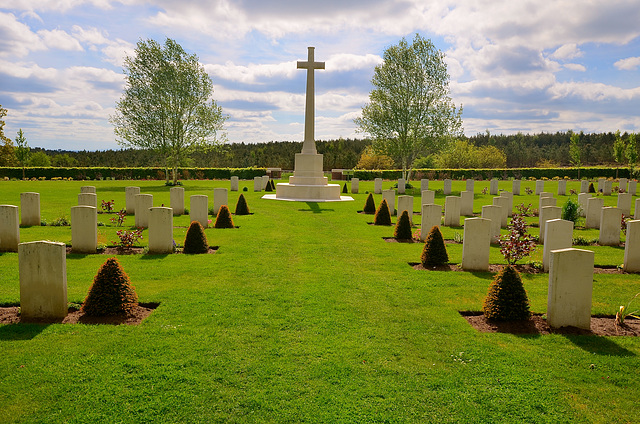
175,174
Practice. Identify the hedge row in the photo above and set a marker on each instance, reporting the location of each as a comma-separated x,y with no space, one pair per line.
133,173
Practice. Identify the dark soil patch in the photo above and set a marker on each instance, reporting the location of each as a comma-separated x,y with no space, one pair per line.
11,315
521,268
117,250
395,240
600,326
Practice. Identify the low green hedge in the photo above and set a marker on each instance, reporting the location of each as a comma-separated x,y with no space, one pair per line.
153,173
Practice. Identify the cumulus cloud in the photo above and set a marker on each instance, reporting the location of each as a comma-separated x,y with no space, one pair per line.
58,39
567,51
628,64
16,38
575,67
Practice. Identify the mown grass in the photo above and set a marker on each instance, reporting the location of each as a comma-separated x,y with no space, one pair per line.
305,314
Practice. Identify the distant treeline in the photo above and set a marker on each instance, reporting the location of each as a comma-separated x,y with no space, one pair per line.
521,150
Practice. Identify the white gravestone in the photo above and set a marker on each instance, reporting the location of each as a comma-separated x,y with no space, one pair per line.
515,187
547,213
623,184
584,186
509,196
431,217
633,185
88,199
494,214
88,189
475,244
562,187
428,197
601,185
493,187
235,183
424,184
377,186
220,197
130,199
143,203
84,229
29,209
545,194
594,207
539,187
624,203
43,280
257,184
9,228
582,202
636,214
265,181
402,186
405,203
447,187
390,196
355,185
610,219
470,185
176,200
546,201
503,202
199,209
608,185
632,247
466,203
570,288
452,211
160,231
558,234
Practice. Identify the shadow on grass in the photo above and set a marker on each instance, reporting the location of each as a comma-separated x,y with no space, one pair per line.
21,331
315,208
148,256
485,275
599,345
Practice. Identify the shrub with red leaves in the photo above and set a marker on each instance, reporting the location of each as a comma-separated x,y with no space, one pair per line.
518,243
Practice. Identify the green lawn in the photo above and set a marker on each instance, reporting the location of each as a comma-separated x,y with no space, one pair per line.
305,314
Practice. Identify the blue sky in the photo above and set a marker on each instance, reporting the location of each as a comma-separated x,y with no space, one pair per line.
524,65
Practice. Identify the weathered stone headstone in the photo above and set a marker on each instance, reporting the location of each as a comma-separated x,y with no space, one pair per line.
402,186
509,196
547,213
265,181
428,197
493,187
355,185
594,207
632,247
405,203
257,184
84,229
176,200
143,203
515,187
503,202
235,183
199,209
636,214
633,185
475,244
377,186
623,184
466,203
88,189
470,185
494,214
220,197
610,219
562,187
584,186
546,201
130,199
424,184
582,201
447,187
29,209
431,216
624,203
88,199
452,211
160,230
43,280
570,288
601,185
608,185
390,196
544,194
539,187
9,228
558,234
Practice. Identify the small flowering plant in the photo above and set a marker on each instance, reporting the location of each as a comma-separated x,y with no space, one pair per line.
518,243
528,190
128,237
108,206
120,217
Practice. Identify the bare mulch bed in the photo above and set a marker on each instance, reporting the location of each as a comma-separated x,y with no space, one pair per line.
600,326
395,240
521,268
11,315
113,250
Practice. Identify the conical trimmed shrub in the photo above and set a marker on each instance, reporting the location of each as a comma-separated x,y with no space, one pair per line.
403,227
268,187
241,206
224,220
506,300
434,252
370,205
592,189
111,292
196,240
344,189
383,215
273,185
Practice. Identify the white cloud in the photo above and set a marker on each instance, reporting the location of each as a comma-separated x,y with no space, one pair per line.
575,67
251,73
58,39
16,38
628,64
567,51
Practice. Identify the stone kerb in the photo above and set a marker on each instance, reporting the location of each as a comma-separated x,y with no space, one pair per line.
390,197
594,206
632,247
199,210
570,288
143,203
503,202
452,211
610,219
88,199
431,217
235,183
220,197
636,214
633,185
43,280
257,184
607,187
582,201
466,203
88,189
562,187
176,200
624,203
539,187
84,229
355,185
584,186
29,208
515,187
377,186
545,214
130,194
558,234
405,203
447,187
424,184
402,186
475,244
494,214
428,197
493,187
9,228
509,196
160,230
470,185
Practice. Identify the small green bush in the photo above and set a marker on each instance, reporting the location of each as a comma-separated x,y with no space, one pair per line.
224,220
383,215
196,240
370,205
403,227
434,252
506,300
241,206
592,189
111,292
268,187
571,211
344,189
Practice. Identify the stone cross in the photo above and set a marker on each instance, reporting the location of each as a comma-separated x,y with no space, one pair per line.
309,145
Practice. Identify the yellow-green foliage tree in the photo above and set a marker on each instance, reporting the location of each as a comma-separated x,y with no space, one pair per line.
369,159
463,154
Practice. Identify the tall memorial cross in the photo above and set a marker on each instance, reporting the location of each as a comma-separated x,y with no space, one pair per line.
309,145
